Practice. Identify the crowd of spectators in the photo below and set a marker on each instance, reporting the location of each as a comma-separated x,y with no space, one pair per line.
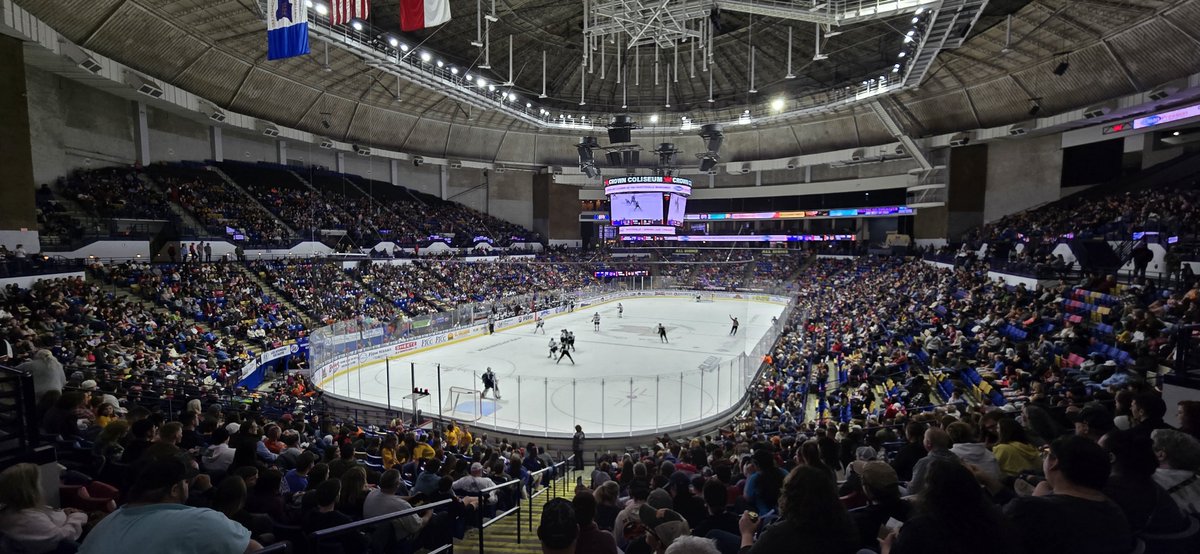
322,289
216,205
220,295
114,192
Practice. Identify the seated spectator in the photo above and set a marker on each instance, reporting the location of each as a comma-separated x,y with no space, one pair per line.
812,520
218,457
354,492
1068,511
591,540
1013,451
384,500
1179,468
265,496
881,488
475,482
937,443
155,520
719,518
966,447
913,450
763,487
1148,508
692,545
296,479
325,515
558,529
1147,411
27,524
953,516
608,505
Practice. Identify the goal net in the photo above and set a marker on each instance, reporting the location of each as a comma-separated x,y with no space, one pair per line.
463,404
704,297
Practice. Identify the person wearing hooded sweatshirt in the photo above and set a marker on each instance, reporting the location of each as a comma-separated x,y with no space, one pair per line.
964,438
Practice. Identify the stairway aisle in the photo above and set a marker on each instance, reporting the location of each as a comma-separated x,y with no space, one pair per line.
501,537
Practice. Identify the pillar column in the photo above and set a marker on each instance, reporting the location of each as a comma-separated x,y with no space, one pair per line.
18,212
141,133
216,143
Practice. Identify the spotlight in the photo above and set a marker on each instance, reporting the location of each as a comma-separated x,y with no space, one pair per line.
358,26
654,118
512,97
491,88
1175,134
394,41
453,70
404,48
1062,68
777,104
528,105
425,57
440,64
481,82
901,54
322,9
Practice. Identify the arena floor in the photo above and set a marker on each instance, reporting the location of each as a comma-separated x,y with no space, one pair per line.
624,381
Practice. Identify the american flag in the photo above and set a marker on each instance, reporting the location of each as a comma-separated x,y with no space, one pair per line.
342,11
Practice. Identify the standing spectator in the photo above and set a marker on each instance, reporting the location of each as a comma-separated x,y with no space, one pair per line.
1142,255
26,520
577,447
47,372
155,520
1068,511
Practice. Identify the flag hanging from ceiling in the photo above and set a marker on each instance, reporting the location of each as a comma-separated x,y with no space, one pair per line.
419,14
287,29
342,11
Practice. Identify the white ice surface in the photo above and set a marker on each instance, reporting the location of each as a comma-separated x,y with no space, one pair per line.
622,373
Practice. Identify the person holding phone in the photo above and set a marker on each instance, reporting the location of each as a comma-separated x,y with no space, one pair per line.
953,516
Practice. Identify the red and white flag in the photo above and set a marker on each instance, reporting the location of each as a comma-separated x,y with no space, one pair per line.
342,11
419,14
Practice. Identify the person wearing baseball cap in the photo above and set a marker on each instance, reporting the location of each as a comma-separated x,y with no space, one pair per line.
1093,421
663,526
881,486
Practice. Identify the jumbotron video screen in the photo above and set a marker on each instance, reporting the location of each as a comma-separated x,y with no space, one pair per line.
650,204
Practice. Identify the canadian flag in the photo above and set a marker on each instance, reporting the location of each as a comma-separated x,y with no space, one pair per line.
419,14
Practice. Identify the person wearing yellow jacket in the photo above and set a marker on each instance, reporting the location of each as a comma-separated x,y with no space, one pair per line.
1013,451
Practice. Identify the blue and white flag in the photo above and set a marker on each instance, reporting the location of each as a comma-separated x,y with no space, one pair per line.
287,29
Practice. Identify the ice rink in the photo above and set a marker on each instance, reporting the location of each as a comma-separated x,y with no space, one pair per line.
624,379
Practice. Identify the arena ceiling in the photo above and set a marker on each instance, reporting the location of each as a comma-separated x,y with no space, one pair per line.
217,50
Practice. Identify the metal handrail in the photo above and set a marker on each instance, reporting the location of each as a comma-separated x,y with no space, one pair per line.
325,533
483,495
282,547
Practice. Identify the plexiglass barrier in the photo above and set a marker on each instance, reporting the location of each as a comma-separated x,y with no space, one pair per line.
364,362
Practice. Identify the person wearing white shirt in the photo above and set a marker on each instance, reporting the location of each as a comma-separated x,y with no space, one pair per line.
476,482
384,500
219,456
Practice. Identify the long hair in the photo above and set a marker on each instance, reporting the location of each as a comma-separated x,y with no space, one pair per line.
810,502
1008,430
230,496
953,499
770,482
354,480
21,488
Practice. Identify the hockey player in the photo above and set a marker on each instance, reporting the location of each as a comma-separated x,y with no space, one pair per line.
565,353
490,382
662,334
733,330
571,341
596,321
620,310
553,347
541,326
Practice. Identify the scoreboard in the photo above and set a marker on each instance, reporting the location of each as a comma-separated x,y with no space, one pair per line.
647,204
